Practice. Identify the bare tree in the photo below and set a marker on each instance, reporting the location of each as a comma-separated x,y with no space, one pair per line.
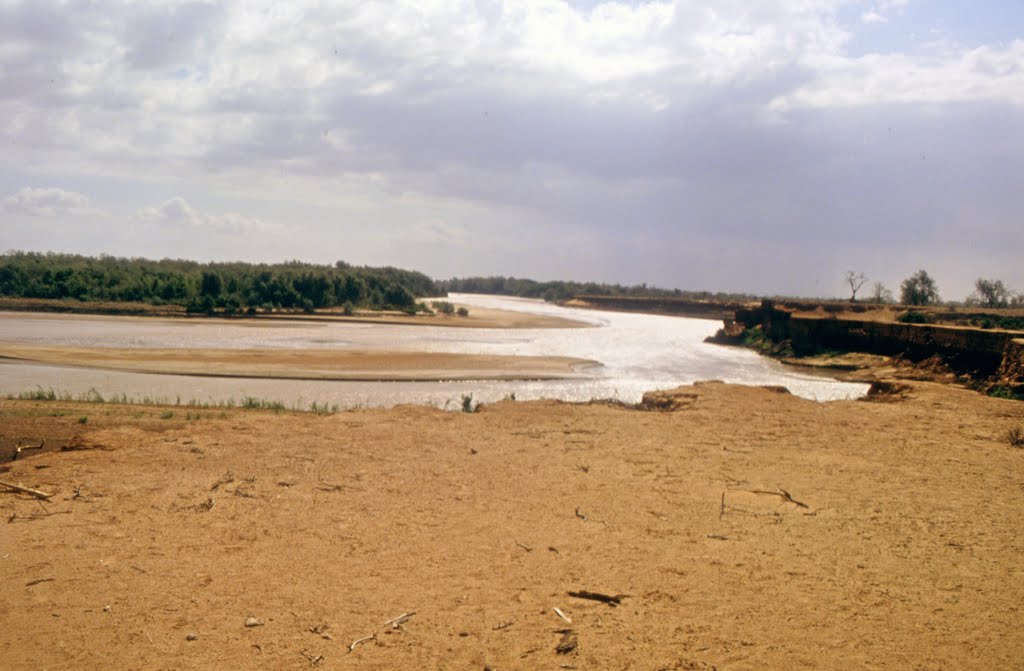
856,281
880,294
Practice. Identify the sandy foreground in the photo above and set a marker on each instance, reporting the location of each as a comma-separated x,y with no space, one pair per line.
743,529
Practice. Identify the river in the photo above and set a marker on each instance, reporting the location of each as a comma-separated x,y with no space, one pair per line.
637,353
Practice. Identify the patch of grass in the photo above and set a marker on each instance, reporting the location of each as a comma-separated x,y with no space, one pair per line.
1003,391
1015,437
322,408
467,403
167,415
253,403
84,419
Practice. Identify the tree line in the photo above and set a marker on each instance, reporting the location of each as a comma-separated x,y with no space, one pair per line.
206,287
921,289
563,290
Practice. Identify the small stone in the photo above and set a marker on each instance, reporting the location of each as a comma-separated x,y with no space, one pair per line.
106,609
192,637
253,622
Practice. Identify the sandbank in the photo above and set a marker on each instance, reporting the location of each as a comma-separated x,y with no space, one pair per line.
305,364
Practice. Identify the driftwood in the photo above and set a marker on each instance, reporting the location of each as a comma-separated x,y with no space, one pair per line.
20,448
26,490
612,600
397,622
356,642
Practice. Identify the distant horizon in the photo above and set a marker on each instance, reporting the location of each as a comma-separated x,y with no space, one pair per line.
719,144
863,293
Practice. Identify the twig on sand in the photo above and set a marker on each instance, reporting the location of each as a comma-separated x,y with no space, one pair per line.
568,643
397,622
783,494
525,547
559,613
20,448
356,642
40,580
225,479
313,659
26,490
612,600
587,517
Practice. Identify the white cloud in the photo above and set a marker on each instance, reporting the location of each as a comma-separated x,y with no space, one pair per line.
48,202
177,213
872,16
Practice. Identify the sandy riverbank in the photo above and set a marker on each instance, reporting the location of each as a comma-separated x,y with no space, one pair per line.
171,523
304,364
484,318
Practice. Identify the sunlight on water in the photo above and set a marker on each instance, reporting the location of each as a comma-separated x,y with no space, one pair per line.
637,353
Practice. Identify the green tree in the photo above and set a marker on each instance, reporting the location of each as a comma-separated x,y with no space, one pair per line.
919,289
991,293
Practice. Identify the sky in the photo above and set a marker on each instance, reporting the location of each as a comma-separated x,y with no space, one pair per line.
764,147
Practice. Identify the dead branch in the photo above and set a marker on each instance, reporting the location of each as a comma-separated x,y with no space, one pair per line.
26,490
612,600
36,582
225,479
37,515
783,494
721,508
356,642
20,448
329,487
525,547
397,622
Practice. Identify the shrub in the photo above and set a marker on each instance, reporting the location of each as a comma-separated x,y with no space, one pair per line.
467,403
913,317
1015,437
462,312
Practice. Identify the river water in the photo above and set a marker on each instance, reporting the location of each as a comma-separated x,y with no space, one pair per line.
637,353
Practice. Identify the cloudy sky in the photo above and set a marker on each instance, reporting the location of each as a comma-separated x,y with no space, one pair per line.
760,146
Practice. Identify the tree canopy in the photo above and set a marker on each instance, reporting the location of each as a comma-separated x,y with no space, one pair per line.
208,286
919,289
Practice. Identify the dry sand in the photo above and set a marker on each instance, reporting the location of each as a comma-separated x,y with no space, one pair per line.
164,527
304,364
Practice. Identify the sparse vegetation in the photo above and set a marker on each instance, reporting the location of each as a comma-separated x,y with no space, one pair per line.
84,419
1007,392
913,317
167,414
1015,437
467,403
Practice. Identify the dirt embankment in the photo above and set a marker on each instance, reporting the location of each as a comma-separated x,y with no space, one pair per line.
744,529
980,356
